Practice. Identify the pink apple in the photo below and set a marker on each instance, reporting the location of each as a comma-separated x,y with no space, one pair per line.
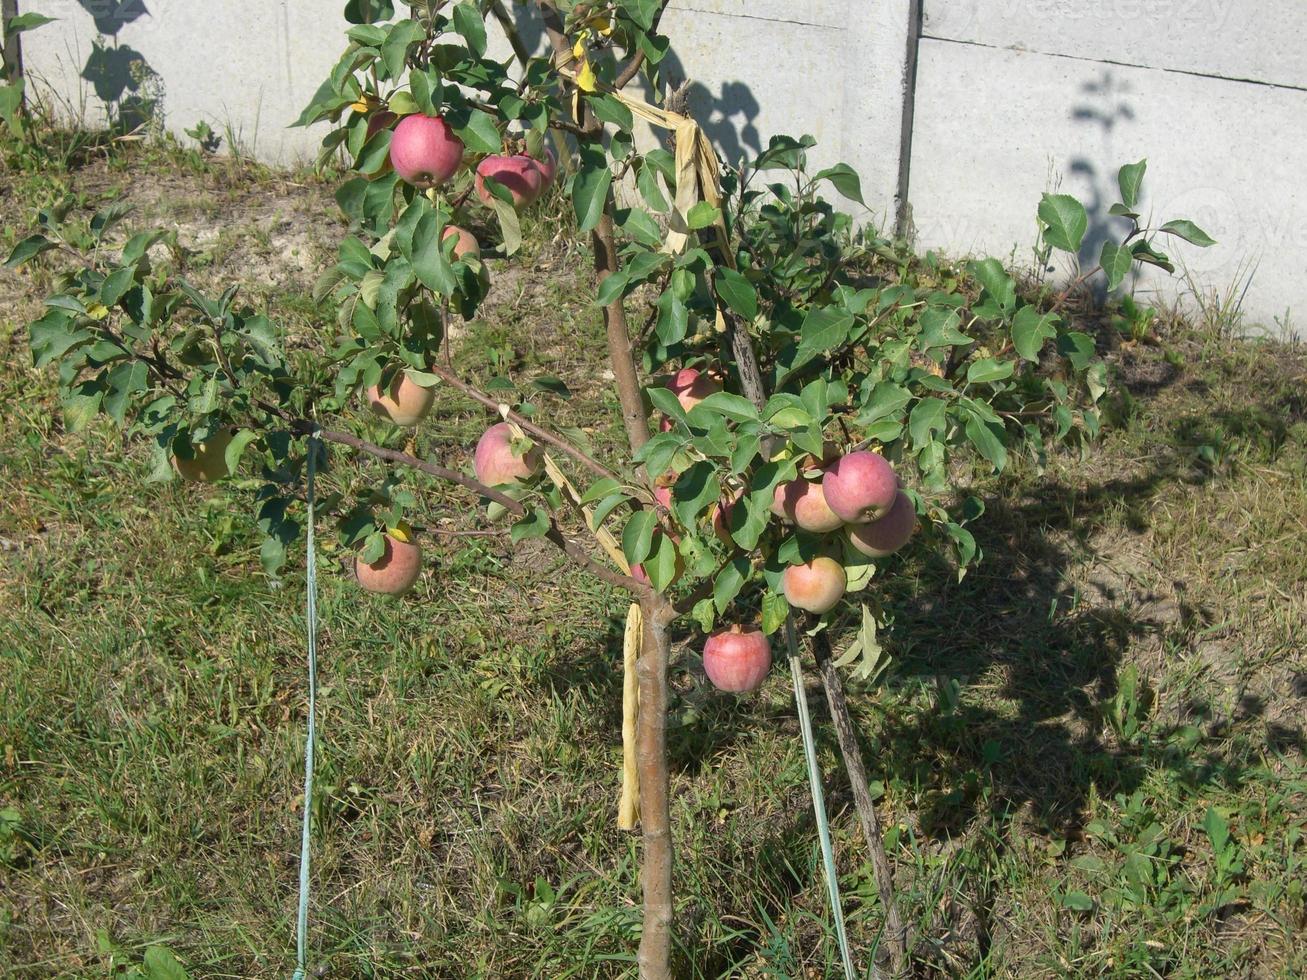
517,173
890,533
691,386
860,487
547,164
737,659
404,402
395,571
803,502
466,244
495,462
424,151
816,586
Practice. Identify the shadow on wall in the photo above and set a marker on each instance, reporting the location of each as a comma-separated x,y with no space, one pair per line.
130,90
727,117
1105,105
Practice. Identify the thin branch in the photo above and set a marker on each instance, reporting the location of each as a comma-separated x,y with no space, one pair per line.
528,426
554,534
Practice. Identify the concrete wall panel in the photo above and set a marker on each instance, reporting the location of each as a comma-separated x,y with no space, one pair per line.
1260,40
1227,155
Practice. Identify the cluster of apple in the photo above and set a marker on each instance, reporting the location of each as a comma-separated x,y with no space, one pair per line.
856,493
496,463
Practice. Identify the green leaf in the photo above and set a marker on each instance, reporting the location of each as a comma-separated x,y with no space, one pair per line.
161,964
642,12
927,418
775,609
1190,232
480,135
729,581
1130,179
825,328
1078,901
1116,262
886,399
28,248
939,328
599,489
468,22
1065,221
1217,828
53,335
1030,329
394,52
725,403
613,287
26,22
533,524
429,263
510,225
375,152
1144,252
694,491
661,566
638,223
983,436
702,215
236,448
987,370
646,181
845,180
610,110
637,536
738,292
996,281
590,188
673,319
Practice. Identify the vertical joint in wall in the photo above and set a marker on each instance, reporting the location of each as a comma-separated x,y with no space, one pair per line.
903,207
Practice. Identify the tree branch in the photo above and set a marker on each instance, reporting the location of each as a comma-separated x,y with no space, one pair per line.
554,534
526,425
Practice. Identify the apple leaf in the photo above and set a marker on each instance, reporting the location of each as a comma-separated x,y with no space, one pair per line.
1065,221
1130,179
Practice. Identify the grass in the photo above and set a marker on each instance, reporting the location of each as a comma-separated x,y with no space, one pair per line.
1089,752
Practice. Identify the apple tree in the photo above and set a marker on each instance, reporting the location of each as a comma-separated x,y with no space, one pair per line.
792,422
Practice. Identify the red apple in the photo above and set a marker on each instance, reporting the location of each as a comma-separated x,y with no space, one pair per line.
404,402
737,659
816,586
517,173
496,463
424,151
890,533
466,244
803,502
209,460
691,386
396,570
860,487
547,164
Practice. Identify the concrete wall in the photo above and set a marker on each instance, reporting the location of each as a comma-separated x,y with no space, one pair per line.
1012,97
1015,97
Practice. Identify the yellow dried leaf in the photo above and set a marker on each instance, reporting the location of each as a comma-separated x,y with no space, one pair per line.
585,78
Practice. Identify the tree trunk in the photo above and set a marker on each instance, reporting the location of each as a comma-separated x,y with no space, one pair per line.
620,356
895,938
656,874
